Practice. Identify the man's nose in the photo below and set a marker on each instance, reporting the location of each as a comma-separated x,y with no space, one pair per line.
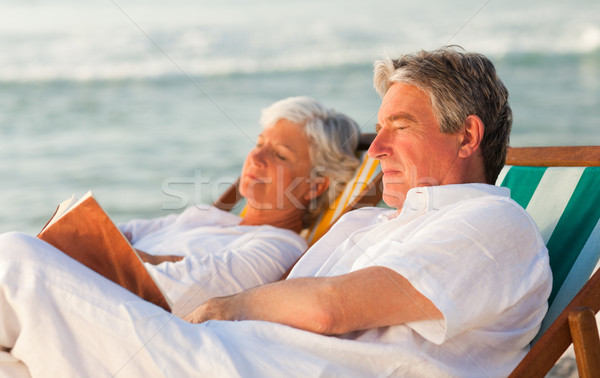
380,146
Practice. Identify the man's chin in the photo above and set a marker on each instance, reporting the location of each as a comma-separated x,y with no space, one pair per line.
394,199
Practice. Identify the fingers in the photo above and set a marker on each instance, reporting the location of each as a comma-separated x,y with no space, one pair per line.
128,235
213,309
173,258
144,256
157,259
196,316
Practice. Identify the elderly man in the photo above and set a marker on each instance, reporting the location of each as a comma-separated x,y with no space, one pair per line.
451,282
458,273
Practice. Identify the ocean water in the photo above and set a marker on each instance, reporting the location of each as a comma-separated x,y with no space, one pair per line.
153,105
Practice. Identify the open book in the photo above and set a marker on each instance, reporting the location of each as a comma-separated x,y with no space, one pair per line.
82,230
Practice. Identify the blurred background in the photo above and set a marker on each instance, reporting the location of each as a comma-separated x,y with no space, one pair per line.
153,105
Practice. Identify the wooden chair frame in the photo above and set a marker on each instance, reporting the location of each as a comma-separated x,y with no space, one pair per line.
577,323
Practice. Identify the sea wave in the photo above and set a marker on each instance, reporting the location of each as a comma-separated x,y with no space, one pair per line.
135,40
168,65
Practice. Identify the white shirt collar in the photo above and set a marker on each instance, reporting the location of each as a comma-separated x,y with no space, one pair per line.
428,198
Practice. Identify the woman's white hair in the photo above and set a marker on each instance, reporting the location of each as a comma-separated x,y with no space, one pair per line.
333,139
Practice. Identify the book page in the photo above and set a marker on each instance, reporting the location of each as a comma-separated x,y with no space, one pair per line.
65,206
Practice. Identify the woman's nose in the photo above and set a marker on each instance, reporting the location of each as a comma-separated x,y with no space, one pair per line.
257,156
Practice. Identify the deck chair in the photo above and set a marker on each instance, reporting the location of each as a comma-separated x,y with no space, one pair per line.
364,189
560,188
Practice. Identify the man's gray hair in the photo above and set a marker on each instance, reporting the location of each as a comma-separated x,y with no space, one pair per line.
459,84
333,139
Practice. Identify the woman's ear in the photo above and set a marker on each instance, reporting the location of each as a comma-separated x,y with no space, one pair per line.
317,187
472,135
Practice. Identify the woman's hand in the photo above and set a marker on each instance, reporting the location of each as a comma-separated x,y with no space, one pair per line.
128,236
157,259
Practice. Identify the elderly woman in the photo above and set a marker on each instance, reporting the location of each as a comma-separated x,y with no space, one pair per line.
302,160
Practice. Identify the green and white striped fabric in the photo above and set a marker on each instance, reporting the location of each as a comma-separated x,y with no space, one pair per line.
565,204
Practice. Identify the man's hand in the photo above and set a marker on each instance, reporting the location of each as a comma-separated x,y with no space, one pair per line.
213,309
157,259
368,298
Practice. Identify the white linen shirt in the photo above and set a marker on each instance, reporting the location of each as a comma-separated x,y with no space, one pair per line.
222,257
472,251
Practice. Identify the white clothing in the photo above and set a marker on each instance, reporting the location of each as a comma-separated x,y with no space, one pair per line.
472,251
222,257
443,231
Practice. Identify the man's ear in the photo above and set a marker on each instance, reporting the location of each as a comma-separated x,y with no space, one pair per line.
318,187
472,135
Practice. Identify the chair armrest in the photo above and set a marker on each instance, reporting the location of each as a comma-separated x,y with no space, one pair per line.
586,343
